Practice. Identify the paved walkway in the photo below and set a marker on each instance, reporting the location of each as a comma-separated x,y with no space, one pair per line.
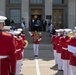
43,65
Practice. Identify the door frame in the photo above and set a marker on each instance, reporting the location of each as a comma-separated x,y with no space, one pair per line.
62,12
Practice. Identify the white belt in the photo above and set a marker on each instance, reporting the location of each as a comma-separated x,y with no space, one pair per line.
64,48
18,50
2,57
57,44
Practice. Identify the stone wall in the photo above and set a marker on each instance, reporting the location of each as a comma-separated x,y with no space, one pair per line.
2,7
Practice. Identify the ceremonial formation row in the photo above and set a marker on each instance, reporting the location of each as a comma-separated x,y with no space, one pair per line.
20,44
64,47
12,44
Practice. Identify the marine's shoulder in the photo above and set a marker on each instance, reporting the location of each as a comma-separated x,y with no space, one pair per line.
6,34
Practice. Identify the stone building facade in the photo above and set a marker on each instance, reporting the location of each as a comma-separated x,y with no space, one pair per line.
62,12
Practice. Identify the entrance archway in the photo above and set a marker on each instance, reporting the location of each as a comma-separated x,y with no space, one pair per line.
36,14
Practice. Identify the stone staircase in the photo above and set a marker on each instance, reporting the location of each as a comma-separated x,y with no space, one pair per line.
45,43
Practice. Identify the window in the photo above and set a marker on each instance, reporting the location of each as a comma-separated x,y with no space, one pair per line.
15,15
36,1
15,1
57,1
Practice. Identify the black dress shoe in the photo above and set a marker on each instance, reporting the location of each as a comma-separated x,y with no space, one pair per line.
60,70
35,55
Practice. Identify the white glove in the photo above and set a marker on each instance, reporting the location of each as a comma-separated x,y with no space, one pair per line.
30,33
39,39
74,54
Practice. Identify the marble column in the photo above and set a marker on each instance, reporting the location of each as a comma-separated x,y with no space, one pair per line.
48,11
48,7
25,11
71,13
2,7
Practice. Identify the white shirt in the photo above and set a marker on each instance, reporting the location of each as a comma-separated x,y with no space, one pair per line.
22,25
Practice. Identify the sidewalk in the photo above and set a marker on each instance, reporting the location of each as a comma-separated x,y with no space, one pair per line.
43,65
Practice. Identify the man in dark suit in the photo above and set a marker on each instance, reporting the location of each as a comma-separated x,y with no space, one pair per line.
44,25
32,24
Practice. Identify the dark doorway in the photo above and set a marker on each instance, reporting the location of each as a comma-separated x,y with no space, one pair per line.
35,18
